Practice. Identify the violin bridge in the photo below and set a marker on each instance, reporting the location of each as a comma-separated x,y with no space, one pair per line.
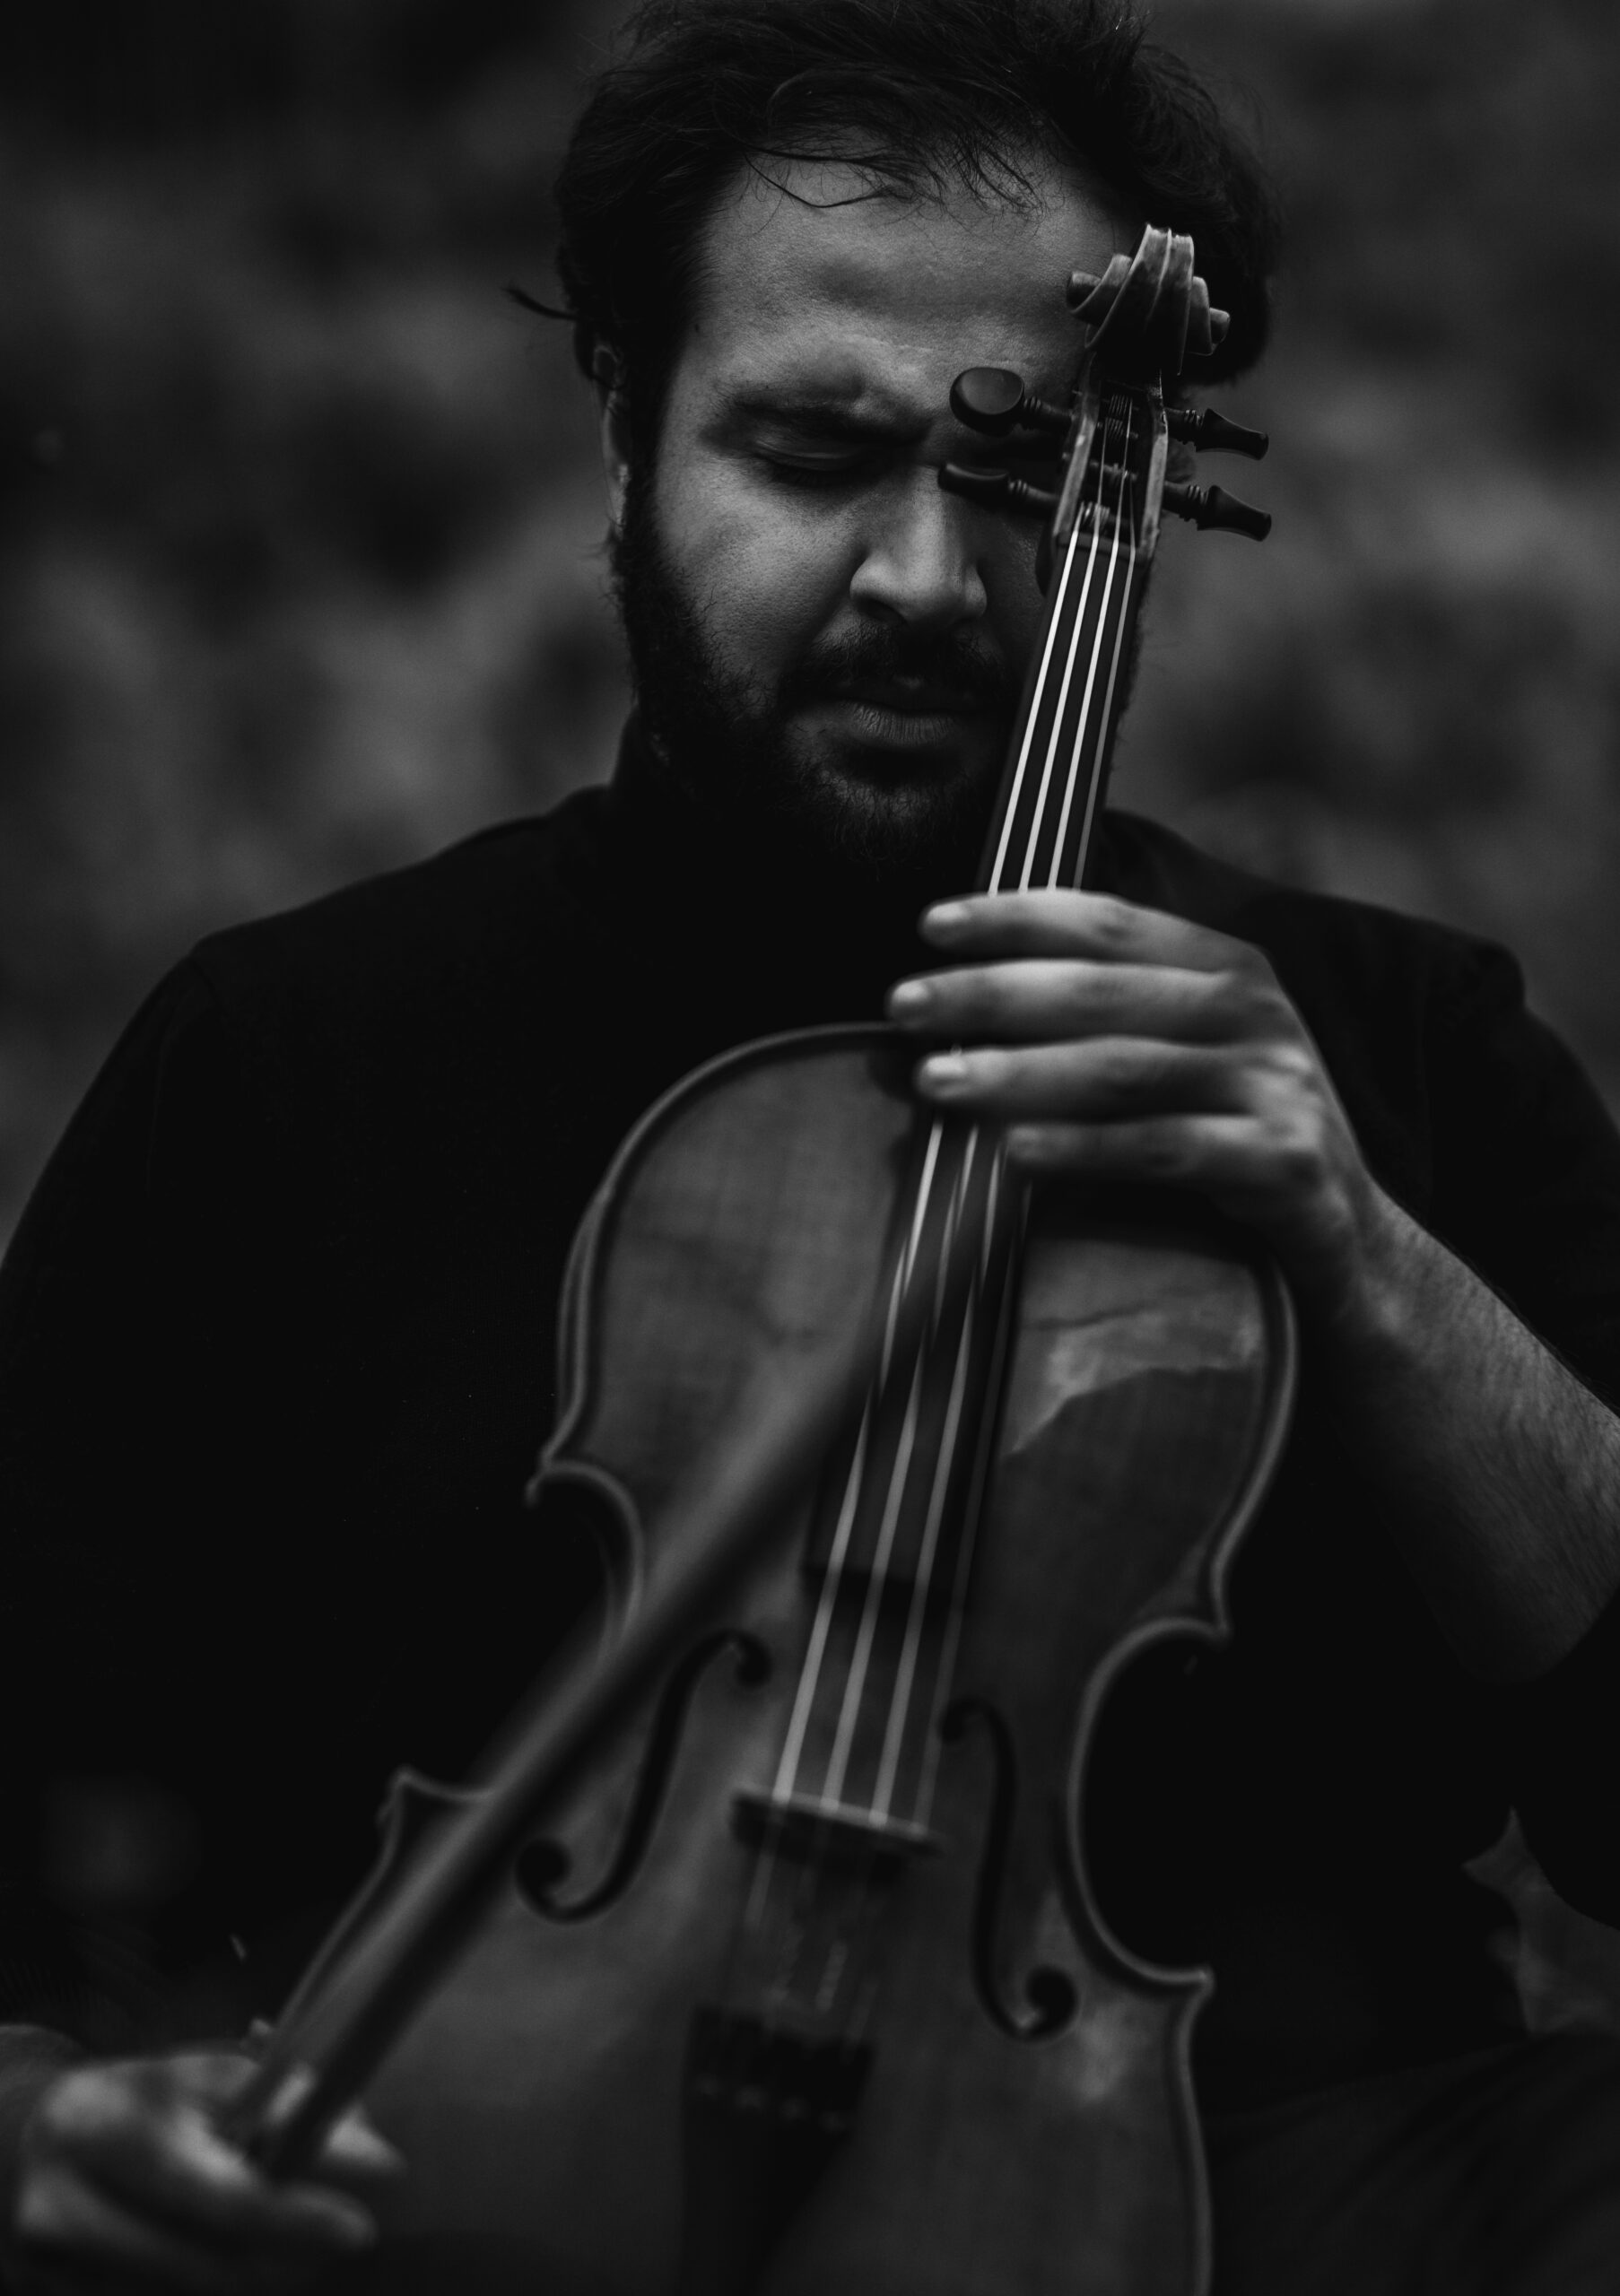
834,1833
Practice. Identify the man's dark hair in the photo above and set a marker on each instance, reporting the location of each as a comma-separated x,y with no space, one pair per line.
918,94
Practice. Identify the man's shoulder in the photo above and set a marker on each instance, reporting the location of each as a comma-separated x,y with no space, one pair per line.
498,900
1322,939
399,997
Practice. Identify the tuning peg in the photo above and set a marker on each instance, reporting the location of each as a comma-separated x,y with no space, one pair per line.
1212,506
993,400
996,490
1211,433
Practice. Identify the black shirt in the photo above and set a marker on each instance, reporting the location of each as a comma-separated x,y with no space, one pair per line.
276,1359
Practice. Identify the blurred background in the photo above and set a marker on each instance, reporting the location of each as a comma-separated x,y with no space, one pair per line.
300,563
300,547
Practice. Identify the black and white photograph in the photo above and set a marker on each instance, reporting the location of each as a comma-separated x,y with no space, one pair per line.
809,1190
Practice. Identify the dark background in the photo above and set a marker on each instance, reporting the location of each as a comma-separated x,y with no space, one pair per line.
300,558
300,566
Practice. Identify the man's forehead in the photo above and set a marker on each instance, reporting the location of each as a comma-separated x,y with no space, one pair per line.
808,282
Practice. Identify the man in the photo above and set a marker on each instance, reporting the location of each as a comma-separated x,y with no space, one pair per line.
294,1270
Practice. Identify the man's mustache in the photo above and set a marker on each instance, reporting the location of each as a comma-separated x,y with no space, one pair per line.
956,665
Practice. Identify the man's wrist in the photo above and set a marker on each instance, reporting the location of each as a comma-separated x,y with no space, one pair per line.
1361,1299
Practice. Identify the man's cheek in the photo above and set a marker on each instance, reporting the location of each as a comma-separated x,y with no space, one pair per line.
763,605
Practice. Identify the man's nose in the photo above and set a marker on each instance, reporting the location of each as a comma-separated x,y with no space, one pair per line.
921,565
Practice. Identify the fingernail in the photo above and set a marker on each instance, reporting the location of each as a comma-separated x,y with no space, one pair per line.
908,997
944,1072
945,917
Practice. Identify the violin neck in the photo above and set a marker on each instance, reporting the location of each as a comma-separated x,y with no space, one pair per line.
1052,789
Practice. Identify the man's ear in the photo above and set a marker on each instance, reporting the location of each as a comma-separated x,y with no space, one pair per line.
607,380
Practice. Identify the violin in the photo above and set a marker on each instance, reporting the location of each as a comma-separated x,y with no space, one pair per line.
765,1956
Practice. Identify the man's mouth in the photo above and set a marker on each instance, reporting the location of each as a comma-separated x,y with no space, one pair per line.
904,716
911,697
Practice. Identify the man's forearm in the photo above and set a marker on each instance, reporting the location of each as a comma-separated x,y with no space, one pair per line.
1499,1470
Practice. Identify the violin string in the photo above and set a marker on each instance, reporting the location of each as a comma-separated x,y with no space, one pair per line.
931,1162
955,1360
1077,752
1071,656
1071,739
1075,873
900,1481
900,1705
785,1937
820,1628
805,1873
949,1640
903,1700
832,1784
1037,696
914,1691
787,1776
944,1668
905,1703
1094,501
958,1357
1084,753
796,1939
787,1767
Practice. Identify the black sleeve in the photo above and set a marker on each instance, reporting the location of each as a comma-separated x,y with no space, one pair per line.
118,1423
1528,1163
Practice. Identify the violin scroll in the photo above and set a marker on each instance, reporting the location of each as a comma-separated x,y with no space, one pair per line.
1143,317
1155,298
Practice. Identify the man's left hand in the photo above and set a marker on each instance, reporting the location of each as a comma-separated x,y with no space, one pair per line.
1120,1043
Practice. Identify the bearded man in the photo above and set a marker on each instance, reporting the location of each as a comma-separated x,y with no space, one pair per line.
278,1326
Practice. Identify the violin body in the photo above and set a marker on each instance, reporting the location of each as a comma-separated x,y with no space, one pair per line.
633,2084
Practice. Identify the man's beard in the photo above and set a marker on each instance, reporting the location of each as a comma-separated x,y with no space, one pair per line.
908,833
